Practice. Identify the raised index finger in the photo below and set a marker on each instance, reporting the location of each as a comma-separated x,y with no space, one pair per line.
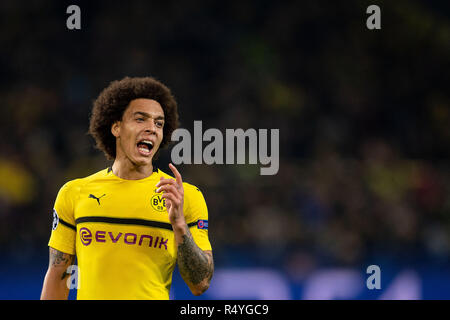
176,174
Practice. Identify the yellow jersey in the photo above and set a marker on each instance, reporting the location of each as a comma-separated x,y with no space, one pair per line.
121,234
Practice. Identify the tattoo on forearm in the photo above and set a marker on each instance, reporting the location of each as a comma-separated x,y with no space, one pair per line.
61,259
194,264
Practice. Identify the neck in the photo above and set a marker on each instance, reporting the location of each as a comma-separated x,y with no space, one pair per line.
125,169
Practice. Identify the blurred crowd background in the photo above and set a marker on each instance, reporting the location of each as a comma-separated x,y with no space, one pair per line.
364,120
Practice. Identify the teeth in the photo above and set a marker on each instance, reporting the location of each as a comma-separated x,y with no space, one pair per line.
148,141
146,150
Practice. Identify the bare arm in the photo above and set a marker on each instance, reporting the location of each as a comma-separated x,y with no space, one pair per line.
55,287
196,266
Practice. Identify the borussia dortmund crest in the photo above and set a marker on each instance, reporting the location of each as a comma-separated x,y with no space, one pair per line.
158,202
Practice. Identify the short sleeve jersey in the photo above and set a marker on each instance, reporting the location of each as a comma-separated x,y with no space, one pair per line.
120,232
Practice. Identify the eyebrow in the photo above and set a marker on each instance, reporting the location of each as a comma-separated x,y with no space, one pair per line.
146,115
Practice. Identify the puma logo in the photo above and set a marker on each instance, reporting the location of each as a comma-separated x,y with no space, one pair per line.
94,197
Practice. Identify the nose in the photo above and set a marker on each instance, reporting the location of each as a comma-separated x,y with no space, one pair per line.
151,127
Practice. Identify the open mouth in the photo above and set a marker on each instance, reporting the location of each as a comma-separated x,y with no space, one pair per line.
145,147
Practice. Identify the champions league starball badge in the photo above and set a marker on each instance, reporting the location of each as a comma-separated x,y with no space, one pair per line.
55,220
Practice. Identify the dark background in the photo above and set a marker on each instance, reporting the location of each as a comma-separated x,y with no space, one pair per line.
364,120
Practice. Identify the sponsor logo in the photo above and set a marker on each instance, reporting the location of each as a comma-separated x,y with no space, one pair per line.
101,236
91,196
85,236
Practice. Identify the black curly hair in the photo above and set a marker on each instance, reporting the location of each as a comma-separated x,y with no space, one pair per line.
112,102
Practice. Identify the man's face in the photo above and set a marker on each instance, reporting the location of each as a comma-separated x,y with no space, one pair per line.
139,134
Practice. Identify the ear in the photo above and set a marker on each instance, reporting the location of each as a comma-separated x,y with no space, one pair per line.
115,129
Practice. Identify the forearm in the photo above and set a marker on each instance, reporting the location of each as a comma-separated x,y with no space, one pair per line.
55,281
196,266
55,287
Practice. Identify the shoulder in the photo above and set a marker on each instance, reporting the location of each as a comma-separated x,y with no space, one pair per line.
75,185
191,189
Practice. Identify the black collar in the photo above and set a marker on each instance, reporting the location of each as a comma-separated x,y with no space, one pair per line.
155,169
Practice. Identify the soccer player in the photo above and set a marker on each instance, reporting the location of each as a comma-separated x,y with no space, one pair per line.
129,224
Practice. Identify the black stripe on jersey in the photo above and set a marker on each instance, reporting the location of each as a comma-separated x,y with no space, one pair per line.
129,221
67,224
